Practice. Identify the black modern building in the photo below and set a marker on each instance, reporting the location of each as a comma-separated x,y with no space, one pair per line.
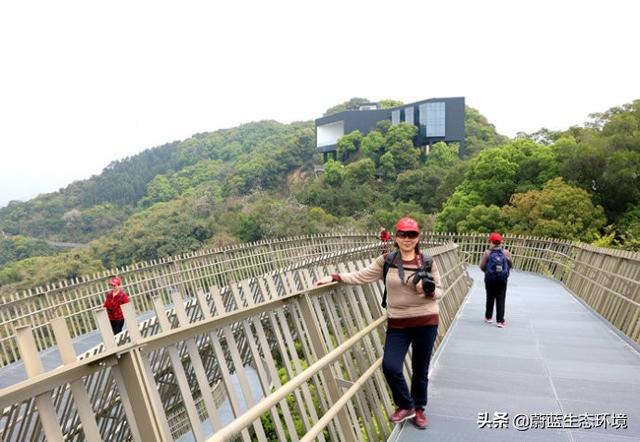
438,119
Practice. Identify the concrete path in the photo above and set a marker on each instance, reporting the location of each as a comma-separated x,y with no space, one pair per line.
556,364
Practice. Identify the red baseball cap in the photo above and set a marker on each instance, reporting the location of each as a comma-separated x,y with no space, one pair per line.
495,238
407,225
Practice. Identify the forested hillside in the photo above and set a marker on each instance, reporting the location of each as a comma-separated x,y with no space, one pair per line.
256,181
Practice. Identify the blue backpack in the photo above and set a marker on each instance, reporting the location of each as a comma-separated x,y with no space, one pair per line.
497,269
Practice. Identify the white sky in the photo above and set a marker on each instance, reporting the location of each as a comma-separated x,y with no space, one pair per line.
83,83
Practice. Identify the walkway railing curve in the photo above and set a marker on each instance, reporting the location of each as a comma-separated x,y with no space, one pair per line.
75,300
607,280
134,388
179,375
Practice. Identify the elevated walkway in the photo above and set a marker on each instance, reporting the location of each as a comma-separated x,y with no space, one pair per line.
555,359
226,321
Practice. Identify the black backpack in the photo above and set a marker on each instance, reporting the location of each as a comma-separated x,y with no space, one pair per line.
388,262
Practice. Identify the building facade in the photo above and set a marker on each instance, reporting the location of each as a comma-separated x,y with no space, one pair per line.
437,119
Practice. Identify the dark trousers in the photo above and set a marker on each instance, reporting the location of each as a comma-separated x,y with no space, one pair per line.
496,292
116,325
395,350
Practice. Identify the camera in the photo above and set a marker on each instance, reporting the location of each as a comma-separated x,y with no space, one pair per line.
428,284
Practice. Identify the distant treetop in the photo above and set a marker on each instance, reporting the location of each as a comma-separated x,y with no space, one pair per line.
356,102
352,104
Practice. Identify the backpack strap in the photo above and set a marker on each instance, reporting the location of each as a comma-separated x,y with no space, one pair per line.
425,263
388,260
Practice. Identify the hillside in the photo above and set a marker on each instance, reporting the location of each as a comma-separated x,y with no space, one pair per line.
256,181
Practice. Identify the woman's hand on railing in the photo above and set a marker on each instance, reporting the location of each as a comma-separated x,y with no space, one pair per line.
325,280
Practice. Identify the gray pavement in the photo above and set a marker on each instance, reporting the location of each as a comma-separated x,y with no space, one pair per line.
555,362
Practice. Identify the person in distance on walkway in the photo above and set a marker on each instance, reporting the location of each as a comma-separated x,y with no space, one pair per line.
496,262
115,298
413,317
384,239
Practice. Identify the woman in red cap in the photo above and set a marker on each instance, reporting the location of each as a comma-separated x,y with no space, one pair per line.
413,317
115,298
496,262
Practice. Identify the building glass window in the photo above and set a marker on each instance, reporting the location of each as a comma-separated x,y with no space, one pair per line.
395,117
432,116
408,115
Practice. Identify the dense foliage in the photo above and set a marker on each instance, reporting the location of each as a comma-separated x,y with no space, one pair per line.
20,247
256,181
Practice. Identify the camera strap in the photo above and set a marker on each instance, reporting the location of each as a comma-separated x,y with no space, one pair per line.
424,261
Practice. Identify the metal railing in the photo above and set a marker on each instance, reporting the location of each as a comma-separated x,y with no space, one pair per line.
607,280
312,350
135,389
75,300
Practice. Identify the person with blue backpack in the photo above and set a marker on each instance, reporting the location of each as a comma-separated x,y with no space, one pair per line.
496,262
412,292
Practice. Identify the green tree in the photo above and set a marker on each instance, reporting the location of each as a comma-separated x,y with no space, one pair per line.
405,156
492,175
360,172
479,133
452,178
400,133
456,209
580,164
629,225
420,186
443,155
387,104
387,167
333,172
620,182
352,104
373,145
349,145
483,219
160,189
559,210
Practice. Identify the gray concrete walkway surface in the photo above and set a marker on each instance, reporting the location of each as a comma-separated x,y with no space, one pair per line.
556,372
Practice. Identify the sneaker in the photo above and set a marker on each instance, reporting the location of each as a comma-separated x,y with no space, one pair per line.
401,415
420,420
488,320
500,324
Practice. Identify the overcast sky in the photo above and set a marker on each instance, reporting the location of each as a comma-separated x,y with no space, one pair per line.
84,83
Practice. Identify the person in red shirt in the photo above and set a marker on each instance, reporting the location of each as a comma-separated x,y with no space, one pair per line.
115,298
384,238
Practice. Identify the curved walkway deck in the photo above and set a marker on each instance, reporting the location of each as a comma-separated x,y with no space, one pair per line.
555,362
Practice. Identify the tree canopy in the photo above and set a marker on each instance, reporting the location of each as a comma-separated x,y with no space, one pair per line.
257,181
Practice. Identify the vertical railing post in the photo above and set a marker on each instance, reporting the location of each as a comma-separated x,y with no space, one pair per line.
140,386
80,395
33,366
108,339
319,348
179,372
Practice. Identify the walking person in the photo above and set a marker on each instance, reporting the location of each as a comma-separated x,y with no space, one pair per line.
496,263
413,316
115,298
384,239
